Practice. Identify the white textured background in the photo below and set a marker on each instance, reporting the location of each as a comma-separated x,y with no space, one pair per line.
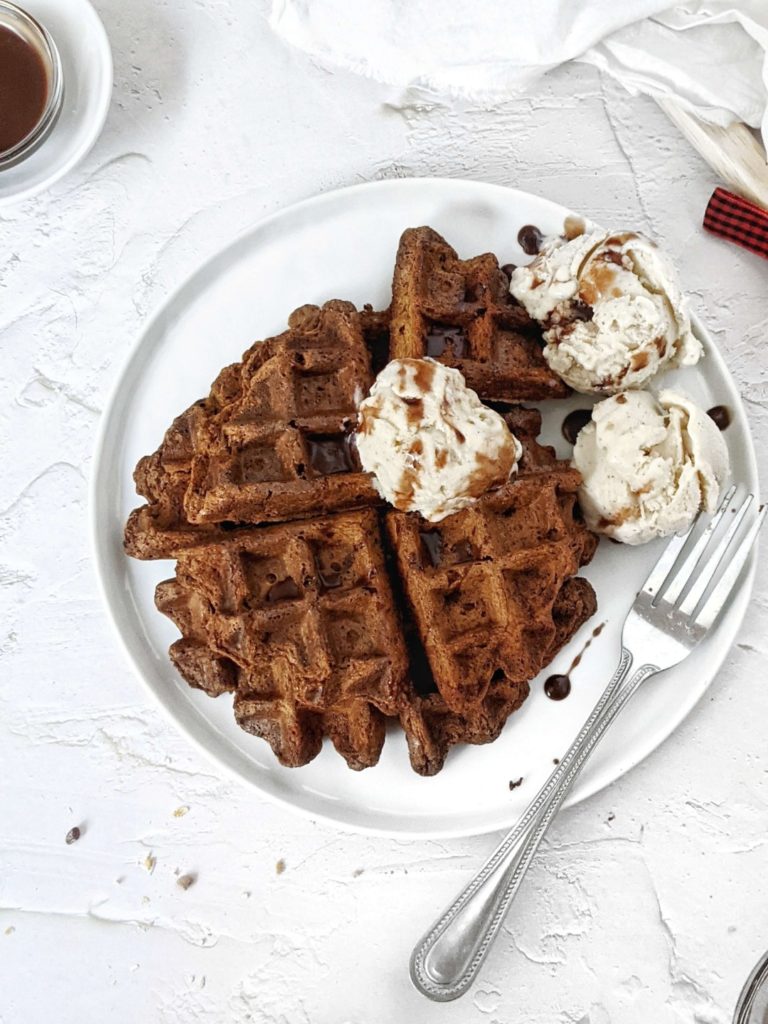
650,901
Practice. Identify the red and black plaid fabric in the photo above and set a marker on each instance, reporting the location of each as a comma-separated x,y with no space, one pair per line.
738,220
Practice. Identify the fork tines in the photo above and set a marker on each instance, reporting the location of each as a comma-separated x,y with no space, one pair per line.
684,590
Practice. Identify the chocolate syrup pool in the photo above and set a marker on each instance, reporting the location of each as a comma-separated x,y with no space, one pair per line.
558,686
23,88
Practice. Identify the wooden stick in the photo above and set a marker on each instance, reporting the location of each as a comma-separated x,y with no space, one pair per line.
733,152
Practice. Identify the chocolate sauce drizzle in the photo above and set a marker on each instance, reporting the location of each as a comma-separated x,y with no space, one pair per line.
558,686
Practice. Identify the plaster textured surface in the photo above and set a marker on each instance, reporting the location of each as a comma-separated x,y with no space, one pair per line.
649,902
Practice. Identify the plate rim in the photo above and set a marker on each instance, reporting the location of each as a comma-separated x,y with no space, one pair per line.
97,512
107,70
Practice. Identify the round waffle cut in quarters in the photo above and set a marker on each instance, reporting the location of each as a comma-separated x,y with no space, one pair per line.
343,615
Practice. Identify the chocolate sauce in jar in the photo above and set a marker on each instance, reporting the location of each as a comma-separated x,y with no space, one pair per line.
720,416
529,238
23,88
574,423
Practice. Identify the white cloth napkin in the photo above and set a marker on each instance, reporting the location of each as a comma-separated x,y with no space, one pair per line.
711,55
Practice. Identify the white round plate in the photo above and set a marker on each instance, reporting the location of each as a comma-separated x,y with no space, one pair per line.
342,245
86,61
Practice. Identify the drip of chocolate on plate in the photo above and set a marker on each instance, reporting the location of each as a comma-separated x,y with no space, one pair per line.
558,686
23,87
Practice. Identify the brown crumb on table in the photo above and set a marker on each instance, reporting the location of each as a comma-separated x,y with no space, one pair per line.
149,862
555,760
280,866
611,816
181,811
357,872
73,835
514,783
10,930
185,881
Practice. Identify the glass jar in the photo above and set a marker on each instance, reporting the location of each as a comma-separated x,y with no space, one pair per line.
26,124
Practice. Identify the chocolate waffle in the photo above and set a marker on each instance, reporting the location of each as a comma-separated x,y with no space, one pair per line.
299,622
161,528
460,313
482,584
284,447
431,728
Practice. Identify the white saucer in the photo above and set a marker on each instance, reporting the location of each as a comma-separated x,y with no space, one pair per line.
86,61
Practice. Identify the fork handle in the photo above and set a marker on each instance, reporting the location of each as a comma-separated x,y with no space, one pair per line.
446,960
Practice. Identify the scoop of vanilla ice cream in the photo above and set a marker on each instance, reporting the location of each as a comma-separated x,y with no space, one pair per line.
612,309
431,444
648,465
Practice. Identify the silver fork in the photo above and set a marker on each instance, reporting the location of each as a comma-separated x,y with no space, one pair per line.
671,614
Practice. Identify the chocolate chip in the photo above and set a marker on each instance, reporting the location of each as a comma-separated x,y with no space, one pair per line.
574,423
720,416
529,238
